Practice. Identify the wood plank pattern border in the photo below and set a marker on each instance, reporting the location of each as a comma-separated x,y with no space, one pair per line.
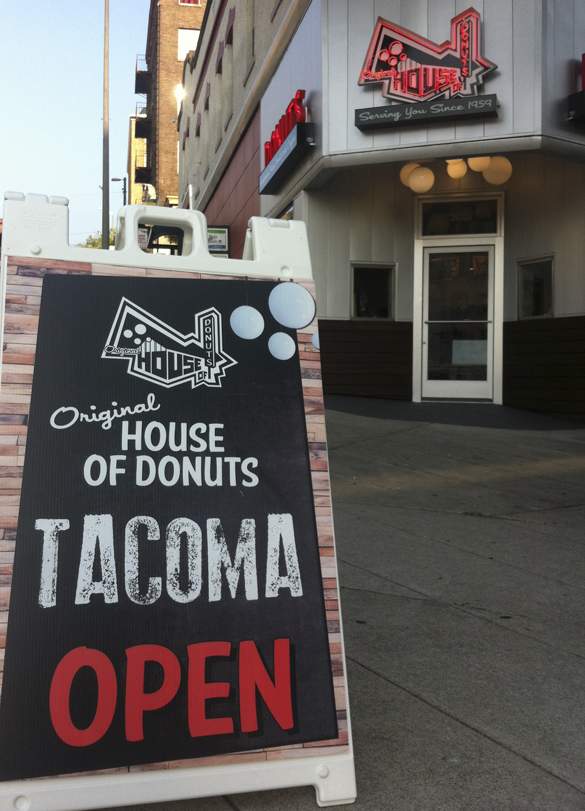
544,366
23,298
367,358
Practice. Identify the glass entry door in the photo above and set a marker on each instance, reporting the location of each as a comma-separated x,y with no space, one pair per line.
457,360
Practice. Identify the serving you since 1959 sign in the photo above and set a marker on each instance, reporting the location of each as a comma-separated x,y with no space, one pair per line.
172,595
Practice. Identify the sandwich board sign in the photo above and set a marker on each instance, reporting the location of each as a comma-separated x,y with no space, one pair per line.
169,585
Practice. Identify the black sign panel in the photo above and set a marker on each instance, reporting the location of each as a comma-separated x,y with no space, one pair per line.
167,600
295,146
401,115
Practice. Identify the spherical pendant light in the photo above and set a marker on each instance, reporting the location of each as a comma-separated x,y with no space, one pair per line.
454,160
457,170
405,172
498,172
421,179
478,164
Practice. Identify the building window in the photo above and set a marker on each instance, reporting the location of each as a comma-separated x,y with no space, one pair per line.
535,288
372,292
187,41
288,213
459,217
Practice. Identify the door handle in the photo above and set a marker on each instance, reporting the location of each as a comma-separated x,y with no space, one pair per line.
458,322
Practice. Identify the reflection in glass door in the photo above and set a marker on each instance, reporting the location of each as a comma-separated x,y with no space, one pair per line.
457,323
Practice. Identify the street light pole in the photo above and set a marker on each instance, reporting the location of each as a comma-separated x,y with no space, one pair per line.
123,179
106,160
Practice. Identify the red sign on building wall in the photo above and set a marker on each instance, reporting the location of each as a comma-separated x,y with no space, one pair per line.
413,68
295,114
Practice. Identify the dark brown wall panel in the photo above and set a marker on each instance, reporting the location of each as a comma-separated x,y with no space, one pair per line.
544,366
236,197
367,358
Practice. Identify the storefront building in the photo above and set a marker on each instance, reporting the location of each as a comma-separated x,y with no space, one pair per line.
461,277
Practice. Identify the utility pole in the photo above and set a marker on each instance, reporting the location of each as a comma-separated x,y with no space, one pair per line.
106,161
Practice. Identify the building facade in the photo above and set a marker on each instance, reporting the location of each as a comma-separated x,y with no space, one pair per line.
437,156
219,124
173,31
138,192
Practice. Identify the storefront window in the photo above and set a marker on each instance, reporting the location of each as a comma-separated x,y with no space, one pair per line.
459,218
535,288
287,214
372,292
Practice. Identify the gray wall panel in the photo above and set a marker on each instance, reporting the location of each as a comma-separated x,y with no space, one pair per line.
437,13
338,242
545,212
361,21
526,62
511,32
371,218
336,55
362,210
384,212
570,287
316,216
403,227
360,215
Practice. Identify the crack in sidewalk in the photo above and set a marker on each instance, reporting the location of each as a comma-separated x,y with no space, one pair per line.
467,725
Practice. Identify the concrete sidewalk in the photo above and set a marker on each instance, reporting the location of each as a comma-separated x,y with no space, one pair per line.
461,548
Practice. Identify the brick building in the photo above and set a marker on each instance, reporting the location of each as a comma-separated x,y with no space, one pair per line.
219,123
137,159
173,31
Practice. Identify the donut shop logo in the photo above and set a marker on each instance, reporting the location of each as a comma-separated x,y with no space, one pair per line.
160,354
413,68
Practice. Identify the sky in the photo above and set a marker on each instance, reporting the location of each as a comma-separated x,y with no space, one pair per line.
51,104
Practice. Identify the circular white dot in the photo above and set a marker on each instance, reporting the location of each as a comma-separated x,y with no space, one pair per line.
140,329
22,803
137,341
281,346
323,771
247,322
292,305
128,333
315,341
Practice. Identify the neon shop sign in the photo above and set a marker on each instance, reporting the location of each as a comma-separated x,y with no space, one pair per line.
295,114
413,68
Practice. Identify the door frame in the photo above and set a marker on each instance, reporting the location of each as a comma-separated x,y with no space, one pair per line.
482,388
438,242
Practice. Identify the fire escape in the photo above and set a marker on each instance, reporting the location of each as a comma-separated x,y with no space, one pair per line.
143,127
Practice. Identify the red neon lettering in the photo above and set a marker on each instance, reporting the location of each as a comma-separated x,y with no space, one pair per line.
295,114
200,690
430,82
66,671
276,695
137,701
300,112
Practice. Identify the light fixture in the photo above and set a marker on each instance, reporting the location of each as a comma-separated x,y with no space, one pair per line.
478,164
498,172
455,160
456,170
405,172
421,179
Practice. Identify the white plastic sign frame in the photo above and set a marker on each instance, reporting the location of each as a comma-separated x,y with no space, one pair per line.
36,234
